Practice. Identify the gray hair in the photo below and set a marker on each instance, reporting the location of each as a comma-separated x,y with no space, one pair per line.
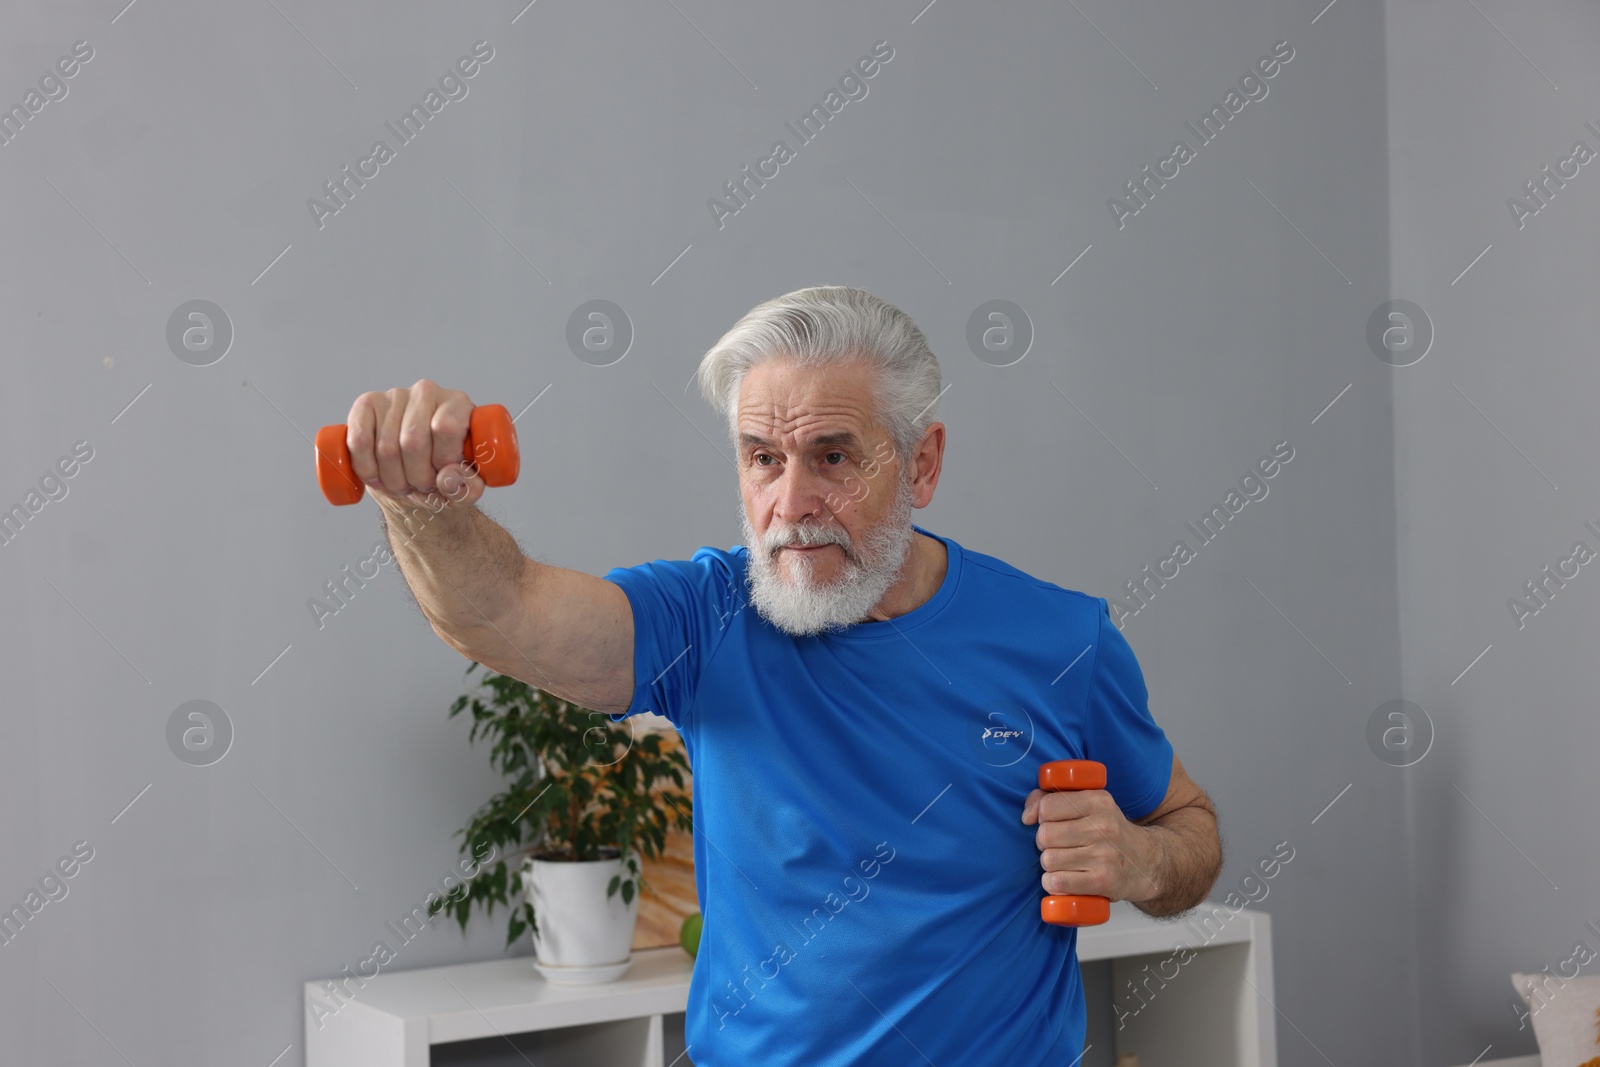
828,324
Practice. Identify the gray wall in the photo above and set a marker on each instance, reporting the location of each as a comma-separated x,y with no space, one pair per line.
1494,428
1223,318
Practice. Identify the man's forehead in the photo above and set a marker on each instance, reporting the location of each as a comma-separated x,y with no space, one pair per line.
817,439
842,424
781,396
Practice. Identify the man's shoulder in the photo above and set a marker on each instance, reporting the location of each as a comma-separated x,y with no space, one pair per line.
707,566
1013,581
705,556
733,556
728,564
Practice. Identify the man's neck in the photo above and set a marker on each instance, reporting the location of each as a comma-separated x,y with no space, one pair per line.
920,578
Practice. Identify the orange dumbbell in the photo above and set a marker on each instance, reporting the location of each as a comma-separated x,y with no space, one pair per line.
1061,776
491,446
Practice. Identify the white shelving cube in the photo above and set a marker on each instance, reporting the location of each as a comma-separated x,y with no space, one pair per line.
1217,1012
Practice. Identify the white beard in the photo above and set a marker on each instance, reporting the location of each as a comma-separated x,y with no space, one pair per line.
799,606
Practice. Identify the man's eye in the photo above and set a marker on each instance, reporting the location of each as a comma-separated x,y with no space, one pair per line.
841,455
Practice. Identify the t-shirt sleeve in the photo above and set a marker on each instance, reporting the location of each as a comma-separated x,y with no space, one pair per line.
681,611
1121,732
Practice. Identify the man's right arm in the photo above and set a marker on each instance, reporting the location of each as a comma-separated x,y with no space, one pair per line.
559,630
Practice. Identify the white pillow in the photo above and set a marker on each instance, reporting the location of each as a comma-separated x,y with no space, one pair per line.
1566,1017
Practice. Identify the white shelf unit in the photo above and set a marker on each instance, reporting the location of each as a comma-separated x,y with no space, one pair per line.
1216,1012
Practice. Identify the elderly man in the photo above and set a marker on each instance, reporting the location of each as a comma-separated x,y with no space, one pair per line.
866,740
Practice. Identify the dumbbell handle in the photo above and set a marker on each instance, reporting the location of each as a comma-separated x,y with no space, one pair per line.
1062,776
491,446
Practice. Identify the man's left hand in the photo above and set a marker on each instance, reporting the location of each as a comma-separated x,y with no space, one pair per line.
1087,847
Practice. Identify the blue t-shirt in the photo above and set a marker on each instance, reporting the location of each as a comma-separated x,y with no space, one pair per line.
870,893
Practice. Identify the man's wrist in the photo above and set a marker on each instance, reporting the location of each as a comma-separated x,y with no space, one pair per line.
1149,877
405,520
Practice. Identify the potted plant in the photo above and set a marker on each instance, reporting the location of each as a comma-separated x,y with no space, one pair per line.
586,797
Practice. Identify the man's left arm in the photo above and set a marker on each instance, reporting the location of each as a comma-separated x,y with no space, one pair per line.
1164,864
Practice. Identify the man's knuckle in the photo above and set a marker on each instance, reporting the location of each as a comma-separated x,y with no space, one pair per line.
448,423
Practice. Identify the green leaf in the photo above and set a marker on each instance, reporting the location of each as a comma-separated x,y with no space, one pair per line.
576,784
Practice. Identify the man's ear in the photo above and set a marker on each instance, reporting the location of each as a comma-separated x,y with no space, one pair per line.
929,460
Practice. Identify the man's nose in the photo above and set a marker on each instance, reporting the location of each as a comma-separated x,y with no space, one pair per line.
801,498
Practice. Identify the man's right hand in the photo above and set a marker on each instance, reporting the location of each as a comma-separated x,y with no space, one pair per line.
407,443
560,630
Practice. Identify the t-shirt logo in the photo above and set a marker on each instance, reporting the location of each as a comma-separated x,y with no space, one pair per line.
1000,733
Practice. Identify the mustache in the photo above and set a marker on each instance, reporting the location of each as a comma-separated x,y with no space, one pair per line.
806,536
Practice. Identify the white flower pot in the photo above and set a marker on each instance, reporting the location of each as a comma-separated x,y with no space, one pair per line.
582,937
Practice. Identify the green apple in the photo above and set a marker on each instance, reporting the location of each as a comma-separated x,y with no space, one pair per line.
689,934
